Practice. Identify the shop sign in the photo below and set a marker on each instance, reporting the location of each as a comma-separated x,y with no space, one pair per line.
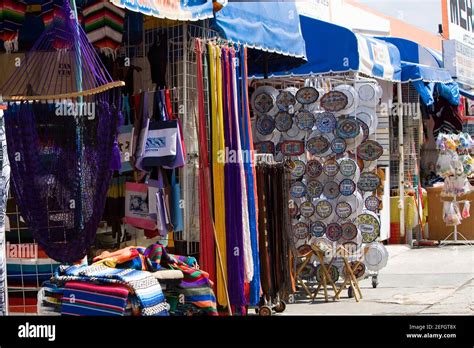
457,16
459,60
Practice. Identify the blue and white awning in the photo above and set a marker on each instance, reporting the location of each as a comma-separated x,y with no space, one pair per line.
334,49
269,27
418,62
184,10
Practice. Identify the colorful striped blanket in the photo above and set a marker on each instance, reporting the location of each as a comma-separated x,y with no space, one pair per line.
141,284
82,299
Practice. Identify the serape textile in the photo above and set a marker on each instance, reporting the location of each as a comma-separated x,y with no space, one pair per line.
83,299
141,284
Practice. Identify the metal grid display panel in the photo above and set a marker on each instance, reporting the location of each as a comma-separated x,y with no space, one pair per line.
412,139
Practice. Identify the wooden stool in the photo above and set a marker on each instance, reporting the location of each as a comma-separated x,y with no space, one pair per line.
349,278
299,280
326,278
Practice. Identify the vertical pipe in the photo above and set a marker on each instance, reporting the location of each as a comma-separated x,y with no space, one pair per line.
401,174
186,211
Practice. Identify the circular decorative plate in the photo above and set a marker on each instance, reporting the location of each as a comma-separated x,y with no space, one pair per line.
343,210
294,133
318,145
334,101
334,232
367,92
326,122
298,190
338,146
307,95
372,203
314,168
349,231
368,182
331,190
365,130
304,249
265,147
358,268
376,257
285,99
317,229
307,209
331,168
347,187
292,147
283,121
348,128
265,125
314,188
369,226
305,120
370,150
263,99
347,167
300,231
298,170
324,209
333,272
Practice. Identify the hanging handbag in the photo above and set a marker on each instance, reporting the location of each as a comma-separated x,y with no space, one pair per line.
166,108
176,210
137,211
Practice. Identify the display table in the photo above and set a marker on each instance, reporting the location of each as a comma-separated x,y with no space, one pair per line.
437,228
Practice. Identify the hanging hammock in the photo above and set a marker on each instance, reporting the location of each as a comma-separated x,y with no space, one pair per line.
61,126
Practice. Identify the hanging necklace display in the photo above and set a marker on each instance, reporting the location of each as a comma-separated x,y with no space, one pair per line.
370,150
317,229
315,189
334,232
307,209
305,120
307,95
368,182
334,101
283,121
314,168
298,190
326,122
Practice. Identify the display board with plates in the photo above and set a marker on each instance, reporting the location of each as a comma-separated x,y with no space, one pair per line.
328,136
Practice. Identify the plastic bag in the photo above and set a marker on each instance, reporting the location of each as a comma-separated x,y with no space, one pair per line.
465,211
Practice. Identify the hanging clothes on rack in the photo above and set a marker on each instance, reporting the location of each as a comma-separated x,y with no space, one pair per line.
233,192
218,151
207,244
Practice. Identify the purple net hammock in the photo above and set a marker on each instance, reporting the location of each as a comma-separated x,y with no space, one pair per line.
61,122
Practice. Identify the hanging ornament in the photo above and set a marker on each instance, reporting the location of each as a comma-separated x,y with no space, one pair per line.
104,26
12,17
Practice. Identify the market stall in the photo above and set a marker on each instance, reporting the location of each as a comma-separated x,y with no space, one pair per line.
321,119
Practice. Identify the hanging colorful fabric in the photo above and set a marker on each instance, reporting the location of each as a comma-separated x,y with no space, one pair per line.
233,195
176,210
207,245
12,17
104,25
218,149
4,189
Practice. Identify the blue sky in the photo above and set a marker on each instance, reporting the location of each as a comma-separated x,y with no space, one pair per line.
410,10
